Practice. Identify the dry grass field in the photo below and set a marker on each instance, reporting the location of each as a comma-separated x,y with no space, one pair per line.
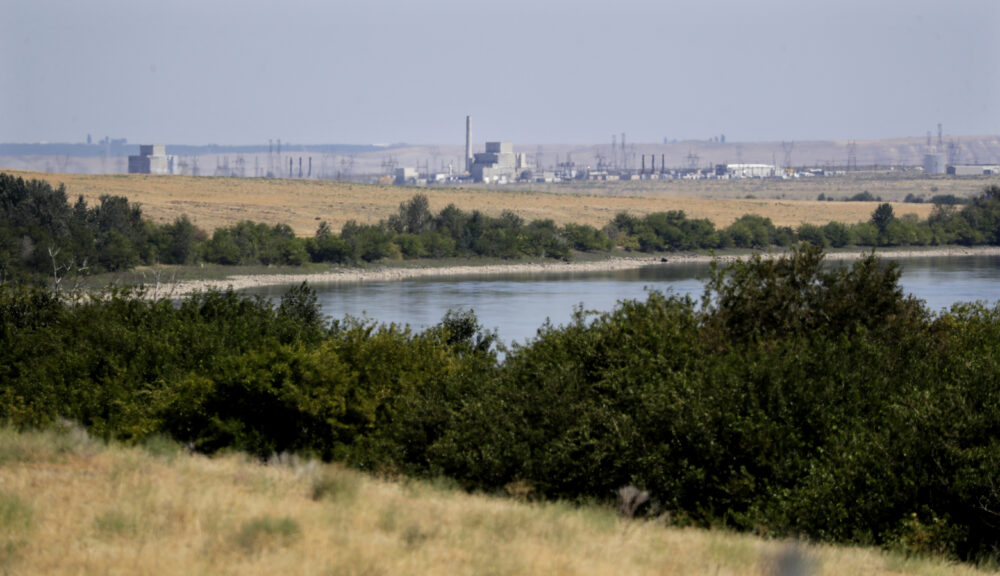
71,505
891,187
302,204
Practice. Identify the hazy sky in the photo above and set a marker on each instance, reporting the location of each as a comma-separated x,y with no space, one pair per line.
529,71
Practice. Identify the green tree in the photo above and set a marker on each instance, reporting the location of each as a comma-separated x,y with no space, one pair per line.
414,216
751,231
326,246
586,238
983,215
181,241
838,234
367,242
882,216
120,234
812,234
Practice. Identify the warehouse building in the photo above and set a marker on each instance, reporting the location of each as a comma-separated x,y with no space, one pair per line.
973,170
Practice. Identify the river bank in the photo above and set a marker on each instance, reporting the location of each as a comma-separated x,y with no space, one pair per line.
392,274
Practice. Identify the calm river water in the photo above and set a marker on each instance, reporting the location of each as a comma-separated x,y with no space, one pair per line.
517,305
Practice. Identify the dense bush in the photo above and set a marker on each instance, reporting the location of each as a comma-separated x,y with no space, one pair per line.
253,243
415,232
42,236
795,398
947,199
865,196
977,223
586,238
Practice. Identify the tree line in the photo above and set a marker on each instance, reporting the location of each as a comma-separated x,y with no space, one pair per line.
792,399
43,234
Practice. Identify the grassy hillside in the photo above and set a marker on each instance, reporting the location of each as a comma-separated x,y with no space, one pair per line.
302,204
72,505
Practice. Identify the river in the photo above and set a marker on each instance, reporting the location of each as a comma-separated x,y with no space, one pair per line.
516,305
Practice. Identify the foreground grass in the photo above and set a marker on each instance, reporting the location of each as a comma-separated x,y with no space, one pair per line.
70,505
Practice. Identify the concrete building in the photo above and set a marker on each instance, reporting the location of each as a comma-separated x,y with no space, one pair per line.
747,170
406,176
973,170
498,164
152,159
934,163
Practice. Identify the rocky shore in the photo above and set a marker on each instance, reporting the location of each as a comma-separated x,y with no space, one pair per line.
390,274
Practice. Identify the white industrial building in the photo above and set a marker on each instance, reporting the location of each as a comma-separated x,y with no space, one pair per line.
973,170
498,164
152,159
407,176
751,170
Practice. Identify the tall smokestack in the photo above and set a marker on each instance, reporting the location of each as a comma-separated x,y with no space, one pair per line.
468,143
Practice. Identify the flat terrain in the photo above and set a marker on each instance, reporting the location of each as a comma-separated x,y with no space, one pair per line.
891,187
301,203
71,505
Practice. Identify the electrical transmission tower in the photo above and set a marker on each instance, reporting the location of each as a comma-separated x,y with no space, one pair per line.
852,156
389,165
624,153
954,151
787,147
614,151
692,160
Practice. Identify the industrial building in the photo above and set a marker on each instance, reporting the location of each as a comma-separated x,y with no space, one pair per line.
934,163
973,170
746,170
152,159
407,176
498,164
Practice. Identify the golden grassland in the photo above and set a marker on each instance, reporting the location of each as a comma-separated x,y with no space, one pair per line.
71,505
214,202
890,186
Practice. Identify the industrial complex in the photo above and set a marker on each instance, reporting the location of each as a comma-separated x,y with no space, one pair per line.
496,161
500,164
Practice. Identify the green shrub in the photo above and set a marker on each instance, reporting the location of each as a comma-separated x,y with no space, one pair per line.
586,238
336,485
812,234
863,197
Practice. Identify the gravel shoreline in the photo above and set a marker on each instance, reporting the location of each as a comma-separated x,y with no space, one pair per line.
353,275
